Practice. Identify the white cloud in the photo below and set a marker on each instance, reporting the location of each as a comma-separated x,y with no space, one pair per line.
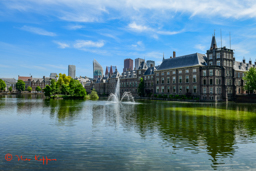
61,45
74,10
4,66
38,31
153,32
88,43
74,27
200,47
140,28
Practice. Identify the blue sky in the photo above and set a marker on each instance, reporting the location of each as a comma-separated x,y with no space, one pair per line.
40,37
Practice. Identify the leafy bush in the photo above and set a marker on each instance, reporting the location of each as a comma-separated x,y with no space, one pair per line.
155,95
165,96
159,96
94,95
29,89
177,96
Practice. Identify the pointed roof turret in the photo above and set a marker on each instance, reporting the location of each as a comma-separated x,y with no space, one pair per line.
213,43
163,56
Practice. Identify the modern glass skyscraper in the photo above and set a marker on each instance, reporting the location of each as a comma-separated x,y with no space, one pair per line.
72,71
138,62
97,69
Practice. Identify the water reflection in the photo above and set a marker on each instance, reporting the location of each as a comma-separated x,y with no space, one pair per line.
156,132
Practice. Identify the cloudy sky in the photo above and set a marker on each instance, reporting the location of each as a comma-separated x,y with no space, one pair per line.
40,37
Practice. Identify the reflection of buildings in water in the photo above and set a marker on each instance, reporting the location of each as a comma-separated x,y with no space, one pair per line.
182,127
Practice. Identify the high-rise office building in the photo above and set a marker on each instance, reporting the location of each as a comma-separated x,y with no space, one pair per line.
72,71
53,75
128,65
138,62
149,63
97,69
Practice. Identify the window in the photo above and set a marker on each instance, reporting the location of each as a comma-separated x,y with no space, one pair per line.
148,77
187,71
210,81
225,55
216,81
180,79
162,80
157,89
218,63
194,89
187,89
194,70
210,63
210,72
218,55
211,91
168,89
219,90
139,72
162,73
204,81
173,72
168,80
204,90
225,62
180,71
145,77
216,72
157,80
174,89
152,77
204,72
238,75
210,56
187,78
157,74
173,79
194,78
162,89
180,89
168,73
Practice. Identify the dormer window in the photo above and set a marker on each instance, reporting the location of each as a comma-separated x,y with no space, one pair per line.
210,63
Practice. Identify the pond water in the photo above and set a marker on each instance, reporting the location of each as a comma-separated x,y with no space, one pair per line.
149,135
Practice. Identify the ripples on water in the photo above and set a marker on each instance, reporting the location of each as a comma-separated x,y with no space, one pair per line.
150,135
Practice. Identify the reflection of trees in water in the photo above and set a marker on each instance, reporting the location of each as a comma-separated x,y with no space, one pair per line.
64,108
196,127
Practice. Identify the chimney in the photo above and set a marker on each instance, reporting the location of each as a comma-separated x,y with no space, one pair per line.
255,62
171,57
250,61
244,60
174,54
151,65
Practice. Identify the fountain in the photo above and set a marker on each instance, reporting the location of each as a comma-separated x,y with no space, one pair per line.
115,98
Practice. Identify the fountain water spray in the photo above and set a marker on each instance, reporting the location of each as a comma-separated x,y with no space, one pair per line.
115,98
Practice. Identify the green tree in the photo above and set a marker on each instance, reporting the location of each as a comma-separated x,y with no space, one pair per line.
80,91
64,89
47,91
94,95
10,89
250,80
20,85
29,89
53,86
141,88
2,84
72,86
38,88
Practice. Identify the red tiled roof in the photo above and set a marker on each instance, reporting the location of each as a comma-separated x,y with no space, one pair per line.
24,78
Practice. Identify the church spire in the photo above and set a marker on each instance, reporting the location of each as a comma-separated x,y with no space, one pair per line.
213,43
163,56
